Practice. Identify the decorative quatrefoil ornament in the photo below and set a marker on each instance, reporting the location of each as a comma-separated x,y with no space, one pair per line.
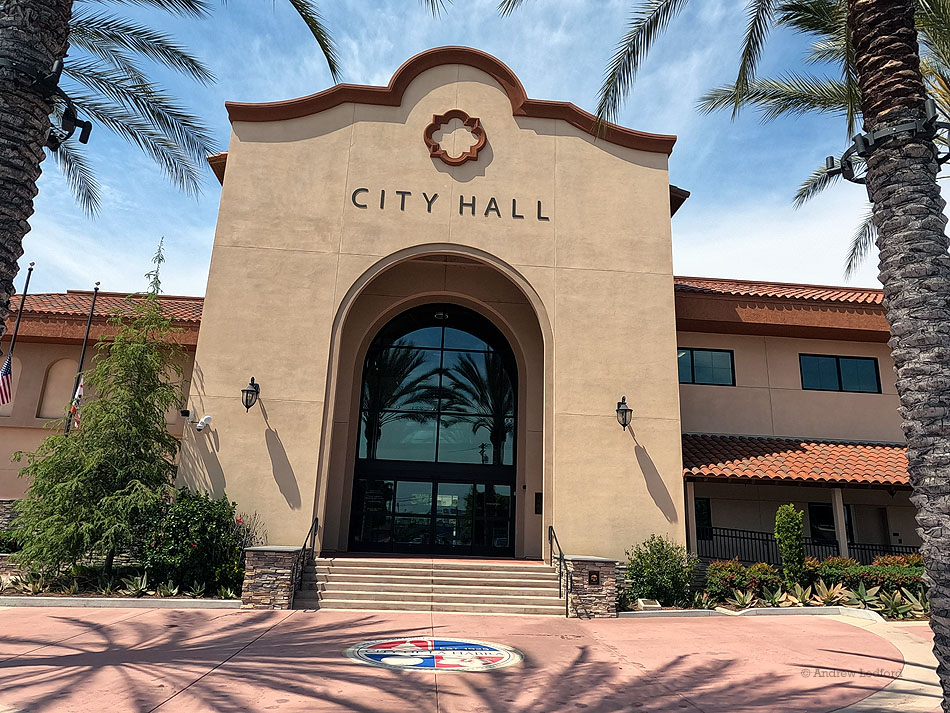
451,131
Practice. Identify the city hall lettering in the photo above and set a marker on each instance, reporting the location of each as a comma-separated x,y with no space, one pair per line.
364,198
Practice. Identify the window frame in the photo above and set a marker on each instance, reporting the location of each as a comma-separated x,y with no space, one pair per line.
692,365
838,358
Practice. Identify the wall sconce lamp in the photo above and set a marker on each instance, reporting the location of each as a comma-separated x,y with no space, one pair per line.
249,394
624,413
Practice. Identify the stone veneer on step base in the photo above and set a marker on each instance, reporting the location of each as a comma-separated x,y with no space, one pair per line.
593,590
268,582
6,513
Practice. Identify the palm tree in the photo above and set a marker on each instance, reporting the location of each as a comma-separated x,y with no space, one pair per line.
483,392
113,90
396,387
901,173
792,94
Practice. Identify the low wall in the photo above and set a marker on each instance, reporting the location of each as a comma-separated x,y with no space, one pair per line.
6,513
268,577
592,590
8,568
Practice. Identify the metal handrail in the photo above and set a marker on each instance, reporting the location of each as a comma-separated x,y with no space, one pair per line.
300,561
563,587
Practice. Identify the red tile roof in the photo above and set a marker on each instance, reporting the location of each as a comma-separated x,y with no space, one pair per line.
188,309
747,288
793,460
77,302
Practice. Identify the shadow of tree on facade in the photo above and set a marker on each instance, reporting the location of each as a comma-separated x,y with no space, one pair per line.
293,661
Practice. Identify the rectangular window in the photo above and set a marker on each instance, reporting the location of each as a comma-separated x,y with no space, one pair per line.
821,519
839,373
706,366
703,518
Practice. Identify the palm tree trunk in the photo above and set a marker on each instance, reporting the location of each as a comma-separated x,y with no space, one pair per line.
32,33
915,273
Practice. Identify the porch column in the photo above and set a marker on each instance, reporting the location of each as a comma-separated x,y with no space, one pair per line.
691,515
841,530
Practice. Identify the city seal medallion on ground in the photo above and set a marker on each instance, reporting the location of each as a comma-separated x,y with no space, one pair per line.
431,654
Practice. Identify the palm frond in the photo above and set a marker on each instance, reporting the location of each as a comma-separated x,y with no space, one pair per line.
862,243
506,7
932,18
148,101
831,51
646,23
194,8
182,170
788,95
435,7
311,16
74,163
112,38
820,18
759,13
818,181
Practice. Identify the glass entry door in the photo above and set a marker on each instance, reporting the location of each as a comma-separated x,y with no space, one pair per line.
427,517
435,468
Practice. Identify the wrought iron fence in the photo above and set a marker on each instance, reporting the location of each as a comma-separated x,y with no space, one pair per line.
749,546
726,543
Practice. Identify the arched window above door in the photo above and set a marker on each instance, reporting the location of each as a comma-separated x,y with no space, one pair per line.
439,387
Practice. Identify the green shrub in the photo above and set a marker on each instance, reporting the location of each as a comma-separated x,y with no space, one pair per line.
196,538
763,577
791,543
914,560
659,569
889,579
723,578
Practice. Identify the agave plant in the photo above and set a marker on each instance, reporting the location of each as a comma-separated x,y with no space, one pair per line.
920,604
106,586
136,586
771,598
197,591
894,606
826,596
863,598
72,588
226,593
742,599
797,596
168,589
703,600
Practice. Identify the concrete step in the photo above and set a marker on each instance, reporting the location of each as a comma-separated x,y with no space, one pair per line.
517,588
429,579
525,573
433,564
438,597
480,608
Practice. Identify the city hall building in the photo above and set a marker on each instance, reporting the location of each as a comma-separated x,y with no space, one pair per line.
443,288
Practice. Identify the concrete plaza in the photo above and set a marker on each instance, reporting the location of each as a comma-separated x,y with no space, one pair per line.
191,661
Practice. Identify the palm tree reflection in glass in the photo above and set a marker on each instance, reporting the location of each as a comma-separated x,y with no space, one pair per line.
396,386
480,394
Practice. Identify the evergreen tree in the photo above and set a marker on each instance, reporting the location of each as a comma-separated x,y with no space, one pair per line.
90,487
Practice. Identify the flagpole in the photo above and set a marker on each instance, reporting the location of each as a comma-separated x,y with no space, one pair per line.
19,314
82,354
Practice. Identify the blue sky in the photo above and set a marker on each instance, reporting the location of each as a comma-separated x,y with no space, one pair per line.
739,221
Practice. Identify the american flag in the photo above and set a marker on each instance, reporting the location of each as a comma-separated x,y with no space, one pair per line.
74,407
6,381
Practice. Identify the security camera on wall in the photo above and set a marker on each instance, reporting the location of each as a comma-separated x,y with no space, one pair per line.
205,420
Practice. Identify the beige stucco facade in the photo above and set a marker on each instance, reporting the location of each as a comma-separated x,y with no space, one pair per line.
768,399
307,266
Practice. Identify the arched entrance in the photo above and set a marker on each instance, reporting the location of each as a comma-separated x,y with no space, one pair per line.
435,468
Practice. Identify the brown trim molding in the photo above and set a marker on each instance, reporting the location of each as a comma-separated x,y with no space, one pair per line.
469,122
392,95
218,162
